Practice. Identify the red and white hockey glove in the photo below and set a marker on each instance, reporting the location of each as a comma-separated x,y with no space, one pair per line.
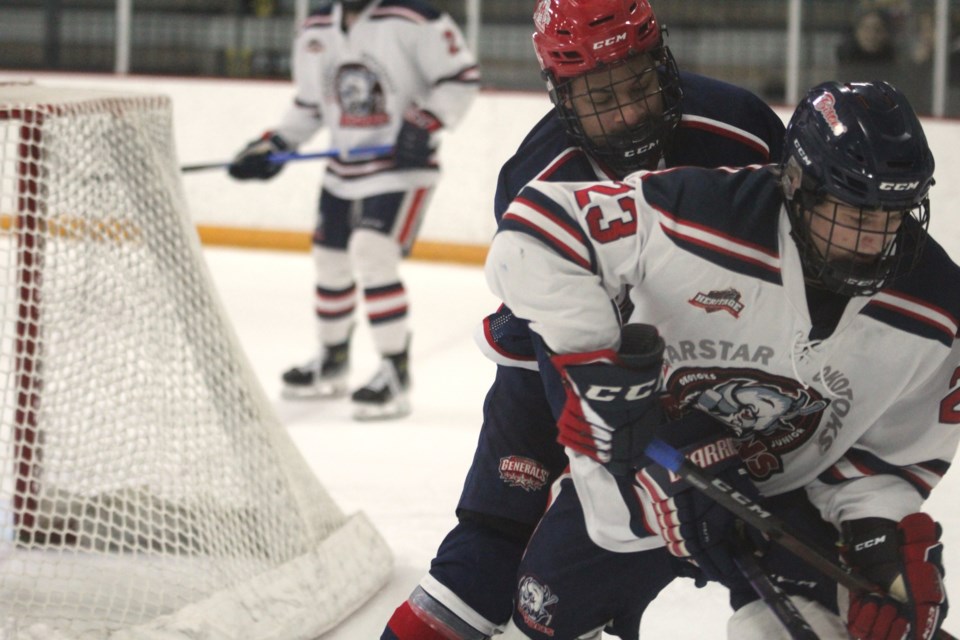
413,148
253,161
906,559
612,406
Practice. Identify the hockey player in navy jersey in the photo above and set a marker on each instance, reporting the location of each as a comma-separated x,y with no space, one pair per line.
621,104
374,73
803,310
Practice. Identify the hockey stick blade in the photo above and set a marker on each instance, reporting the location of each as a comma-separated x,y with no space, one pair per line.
761,519
293,156
774,597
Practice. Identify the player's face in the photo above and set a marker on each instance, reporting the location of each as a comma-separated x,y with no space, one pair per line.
846,234
615,100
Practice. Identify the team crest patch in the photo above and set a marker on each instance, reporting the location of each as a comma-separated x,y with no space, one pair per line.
535,603
825,105
314,46
727,300
361,97
769,415
525,473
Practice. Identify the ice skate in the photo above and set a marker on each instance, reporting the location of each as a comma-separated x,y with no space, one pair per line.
385,396
321,378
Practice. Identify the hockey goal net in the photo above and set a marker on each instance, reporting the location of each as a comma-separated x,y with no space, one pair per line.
146,488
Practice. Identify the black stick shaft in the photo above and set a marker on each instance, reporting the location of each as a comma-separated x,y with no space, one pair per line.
774,597
293,156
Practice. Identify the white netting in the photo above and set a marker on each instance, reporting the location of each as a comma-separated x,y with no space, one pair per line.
146,488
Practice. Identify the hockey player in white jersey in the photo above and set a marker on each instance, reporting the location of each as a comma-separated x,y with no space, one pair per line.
376,73
621,103
803,307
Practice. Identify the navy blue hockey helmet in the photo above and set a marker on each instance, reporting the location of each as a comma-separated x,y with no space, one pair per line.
856,172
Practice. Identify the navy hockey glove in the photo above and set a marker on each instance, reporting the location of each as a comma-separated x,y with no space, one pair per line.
612,406
906,559
693,526
413,142
253,161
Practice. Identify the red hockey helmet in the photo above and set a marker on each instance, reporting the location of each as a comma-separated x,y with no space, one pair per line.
574,37
594,55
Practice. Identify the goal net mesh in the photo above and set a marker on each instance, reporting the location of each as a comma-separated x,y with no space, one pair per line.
147,490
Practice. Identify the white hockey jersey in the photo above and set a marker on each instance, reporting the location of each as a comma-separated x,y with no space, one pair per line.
397,55
865,419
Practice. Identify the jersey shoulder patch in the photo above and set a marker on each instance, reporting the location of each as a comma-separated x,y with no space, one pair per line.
919,303
729,217
537,214
547,154
724,125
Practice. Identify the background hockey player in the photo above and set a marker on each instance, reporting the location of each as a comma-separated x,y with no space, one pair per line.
804,308
618,108
375,73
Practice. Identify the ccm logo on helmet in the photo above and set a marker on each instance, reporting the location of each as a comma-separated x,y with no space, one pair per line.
641,150
898,186
600,44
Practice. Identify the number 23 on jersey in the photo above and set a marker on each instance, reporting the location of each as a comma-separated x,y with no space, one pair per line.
611,212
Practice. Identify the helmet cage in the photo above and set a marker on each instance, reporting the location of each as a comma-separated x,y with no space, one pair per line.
639,146
862,146
838,266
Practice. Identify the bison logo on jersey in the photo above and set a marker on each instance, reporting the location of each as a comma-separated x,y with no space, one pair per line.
360,96
535,603
770,415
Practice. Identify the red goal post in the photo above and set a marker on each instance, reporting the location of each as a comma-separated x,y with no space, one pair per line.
146,485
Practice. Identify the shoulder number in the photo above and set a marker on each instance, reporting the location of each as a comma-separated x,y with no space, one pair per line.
950,405
453,43
611,212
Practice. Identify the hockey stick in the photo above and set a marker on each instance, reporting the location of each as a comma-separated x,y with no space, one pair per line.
292,156
773,596
764,521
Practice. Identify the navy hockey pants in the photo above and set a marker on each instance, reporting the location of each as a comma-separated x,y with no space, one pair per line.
568,586
504,495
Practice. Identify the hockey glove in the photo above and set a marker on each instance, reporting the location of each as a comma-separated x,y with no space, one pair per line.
904,558
612,408
413,142
254,163
693,526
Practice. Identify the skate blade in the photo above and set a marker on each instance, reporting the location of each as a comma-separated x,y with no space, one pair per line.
366,411
324,391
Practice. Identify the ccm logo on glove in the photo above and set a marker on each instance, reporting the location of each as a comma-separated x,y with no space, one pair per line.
866,544
602,393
